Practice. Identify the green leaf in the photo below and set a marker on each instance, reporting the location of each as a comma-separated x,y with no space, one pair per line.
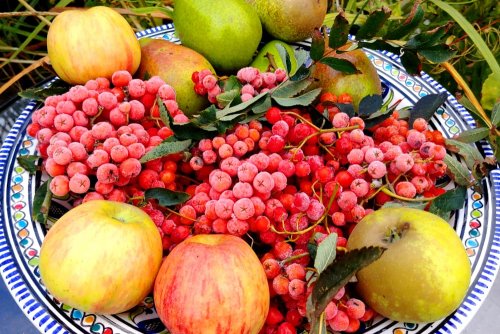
301,57
377,44
411,62
164,114
225,98
372,121
336,275
326,252
41,203
490,92
473,135
437,53
29,163
470,153
450,201
291,88
459,173
412,22
341,65
166,197
285,57
190,130
166,148
472,33
57,87
426,107
374,23
427,38
369,105
231,83
339,31
262,106
317,45
495,114
301,100
240,107
347,108
301,73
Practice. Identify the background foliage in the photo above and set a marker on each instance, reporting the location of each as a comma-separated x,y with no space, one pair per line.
24,25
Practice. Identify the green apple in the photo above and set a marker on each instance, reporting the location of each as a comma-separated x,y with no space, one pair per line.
423,275
262,60
101,257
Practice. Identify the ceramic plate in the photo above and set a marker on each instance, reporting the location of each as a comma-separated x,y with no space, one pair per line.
477,224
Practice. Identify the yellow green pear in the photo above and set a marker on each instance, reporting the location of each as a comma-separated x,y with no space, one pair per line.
425,272
262,60
290,20
226,32
359,85
175,64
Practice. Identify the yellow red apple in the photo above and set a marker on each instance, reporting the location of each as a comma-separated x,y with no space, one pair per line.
212,284
84,44
101,257
423,275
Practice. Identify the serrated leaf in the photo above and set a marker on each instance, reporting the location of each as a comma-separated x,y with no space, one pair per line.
166,148
473,135
459,173
437,53
450,201
372,121
317,45
285,57
57,87
411,62
467,104
231,83
231,117
338,274
339,31
347,108
164,114
301,57
369,105
227,97
426,107
413,20
341,65
374,23
29,163
428,38
263,106
495,114
240,107
166,197
190,130
206,116
301,100
326,252
291,88
41,203
377,44
301,73
470,153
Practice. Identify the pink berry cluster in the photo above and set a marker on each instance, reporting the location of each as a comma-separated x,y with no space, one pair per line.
253,82
100,131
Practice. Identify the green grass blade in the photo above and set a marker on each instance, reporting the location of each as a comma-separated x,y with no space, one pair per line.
472,33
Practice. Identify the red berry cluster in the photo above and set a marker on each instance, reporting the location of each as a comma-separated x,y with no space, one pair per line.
102,129
254,82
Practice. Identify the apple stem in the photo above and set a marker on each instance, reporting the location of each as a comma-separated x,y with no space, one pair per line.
395,234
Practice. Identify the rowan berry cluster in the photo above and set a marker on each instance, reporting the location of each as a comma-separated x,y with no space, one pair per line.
92,137
252,80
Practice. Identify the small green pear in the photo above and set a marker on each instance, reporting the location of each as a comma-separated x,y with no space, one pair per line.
262,60
226,32
175,64
290,20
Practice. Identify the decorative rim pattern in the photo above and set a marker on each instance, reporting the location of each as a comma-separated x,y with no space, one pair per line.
20,239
